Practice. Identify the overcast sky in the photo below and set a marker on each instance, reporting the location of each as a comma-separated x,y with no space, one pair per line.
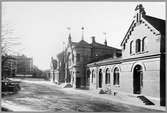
42,26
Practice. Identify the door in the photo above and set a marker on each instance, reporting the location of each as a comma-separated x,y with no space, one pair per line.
137,79
100,78
78,82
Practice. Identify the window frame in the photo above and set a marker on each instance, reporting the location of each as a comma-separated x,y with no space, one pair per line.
78,57
93,75
107,76
116,78
144,44
131,47
138,45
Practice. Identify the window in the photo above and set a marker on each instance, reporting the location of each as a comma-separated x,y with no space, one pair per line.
116,76
138,45
107,76
144,44
73,58
93,75
131,47
78,57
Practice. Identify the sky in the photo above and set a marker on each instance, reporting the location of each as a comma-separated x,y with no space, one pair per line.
42,26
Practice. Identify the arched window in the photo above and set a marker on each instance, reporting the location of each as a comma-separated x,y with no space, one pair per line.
116,76
131,46
144,44
107,80
93,75
138,45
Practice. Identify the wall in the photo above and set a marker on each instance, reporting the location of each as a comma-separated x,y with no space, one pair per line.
151,77
152,44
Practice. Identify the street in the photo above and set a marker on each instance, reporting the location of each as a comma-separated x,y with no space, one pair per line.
40,95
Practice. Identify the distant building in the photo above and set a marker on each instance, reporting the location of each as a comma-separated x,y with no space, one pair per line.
141,69
24,65
73,61
9,67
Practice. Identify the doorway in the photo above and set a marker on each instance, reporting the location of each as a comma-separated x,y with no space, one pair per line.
78,82
137,79
100,78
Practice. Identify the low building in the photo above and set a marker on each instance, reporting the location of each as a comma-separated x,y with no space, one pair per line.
141,69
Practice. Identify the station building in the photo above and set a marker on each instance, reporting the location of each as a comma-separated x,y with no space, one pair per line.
141,69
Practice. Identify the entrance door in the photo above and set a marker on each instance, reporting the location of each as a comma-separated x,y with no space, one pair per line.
137,79
88,78
78,82
100,78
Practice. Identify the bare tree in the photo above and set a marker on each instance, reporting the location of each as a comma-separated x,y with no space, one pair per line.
8,45
8,42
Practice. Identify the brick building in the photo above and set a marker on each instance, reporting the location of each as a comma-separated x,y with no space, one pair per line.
77,55
24,65
141,69
8,65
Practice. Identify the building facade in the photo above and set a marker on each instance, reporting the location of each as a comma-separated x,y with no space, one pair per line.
79,54
24,65
73,61
141,69
9,66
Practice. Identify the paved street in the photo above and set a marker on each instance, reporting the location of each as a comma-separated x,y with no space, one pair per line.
41,95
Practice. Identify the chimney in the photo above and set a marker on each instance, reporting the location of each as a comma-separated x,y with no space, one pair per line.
105,43
93,39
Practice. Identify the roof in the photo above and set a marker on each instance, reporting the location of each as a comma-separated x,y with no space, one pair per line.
98,45
128,31
82,43
106,61
157,23
119,60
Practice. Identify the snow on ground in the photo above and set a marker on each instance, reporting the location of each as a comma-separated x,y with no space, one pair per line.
40,95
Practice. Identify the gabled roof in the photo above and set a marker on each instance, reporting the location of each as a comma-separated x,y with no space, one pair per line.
157,23
83,43
128,31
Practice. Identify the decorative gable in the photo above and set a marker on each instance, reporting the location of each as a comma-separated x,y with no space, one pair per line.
141,18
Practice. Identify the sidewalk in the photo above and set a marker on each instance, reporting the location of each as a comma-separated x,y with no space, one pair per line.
120,98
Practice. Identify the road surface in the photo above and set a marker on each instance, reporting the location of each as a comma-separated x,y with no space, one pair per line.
40,95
